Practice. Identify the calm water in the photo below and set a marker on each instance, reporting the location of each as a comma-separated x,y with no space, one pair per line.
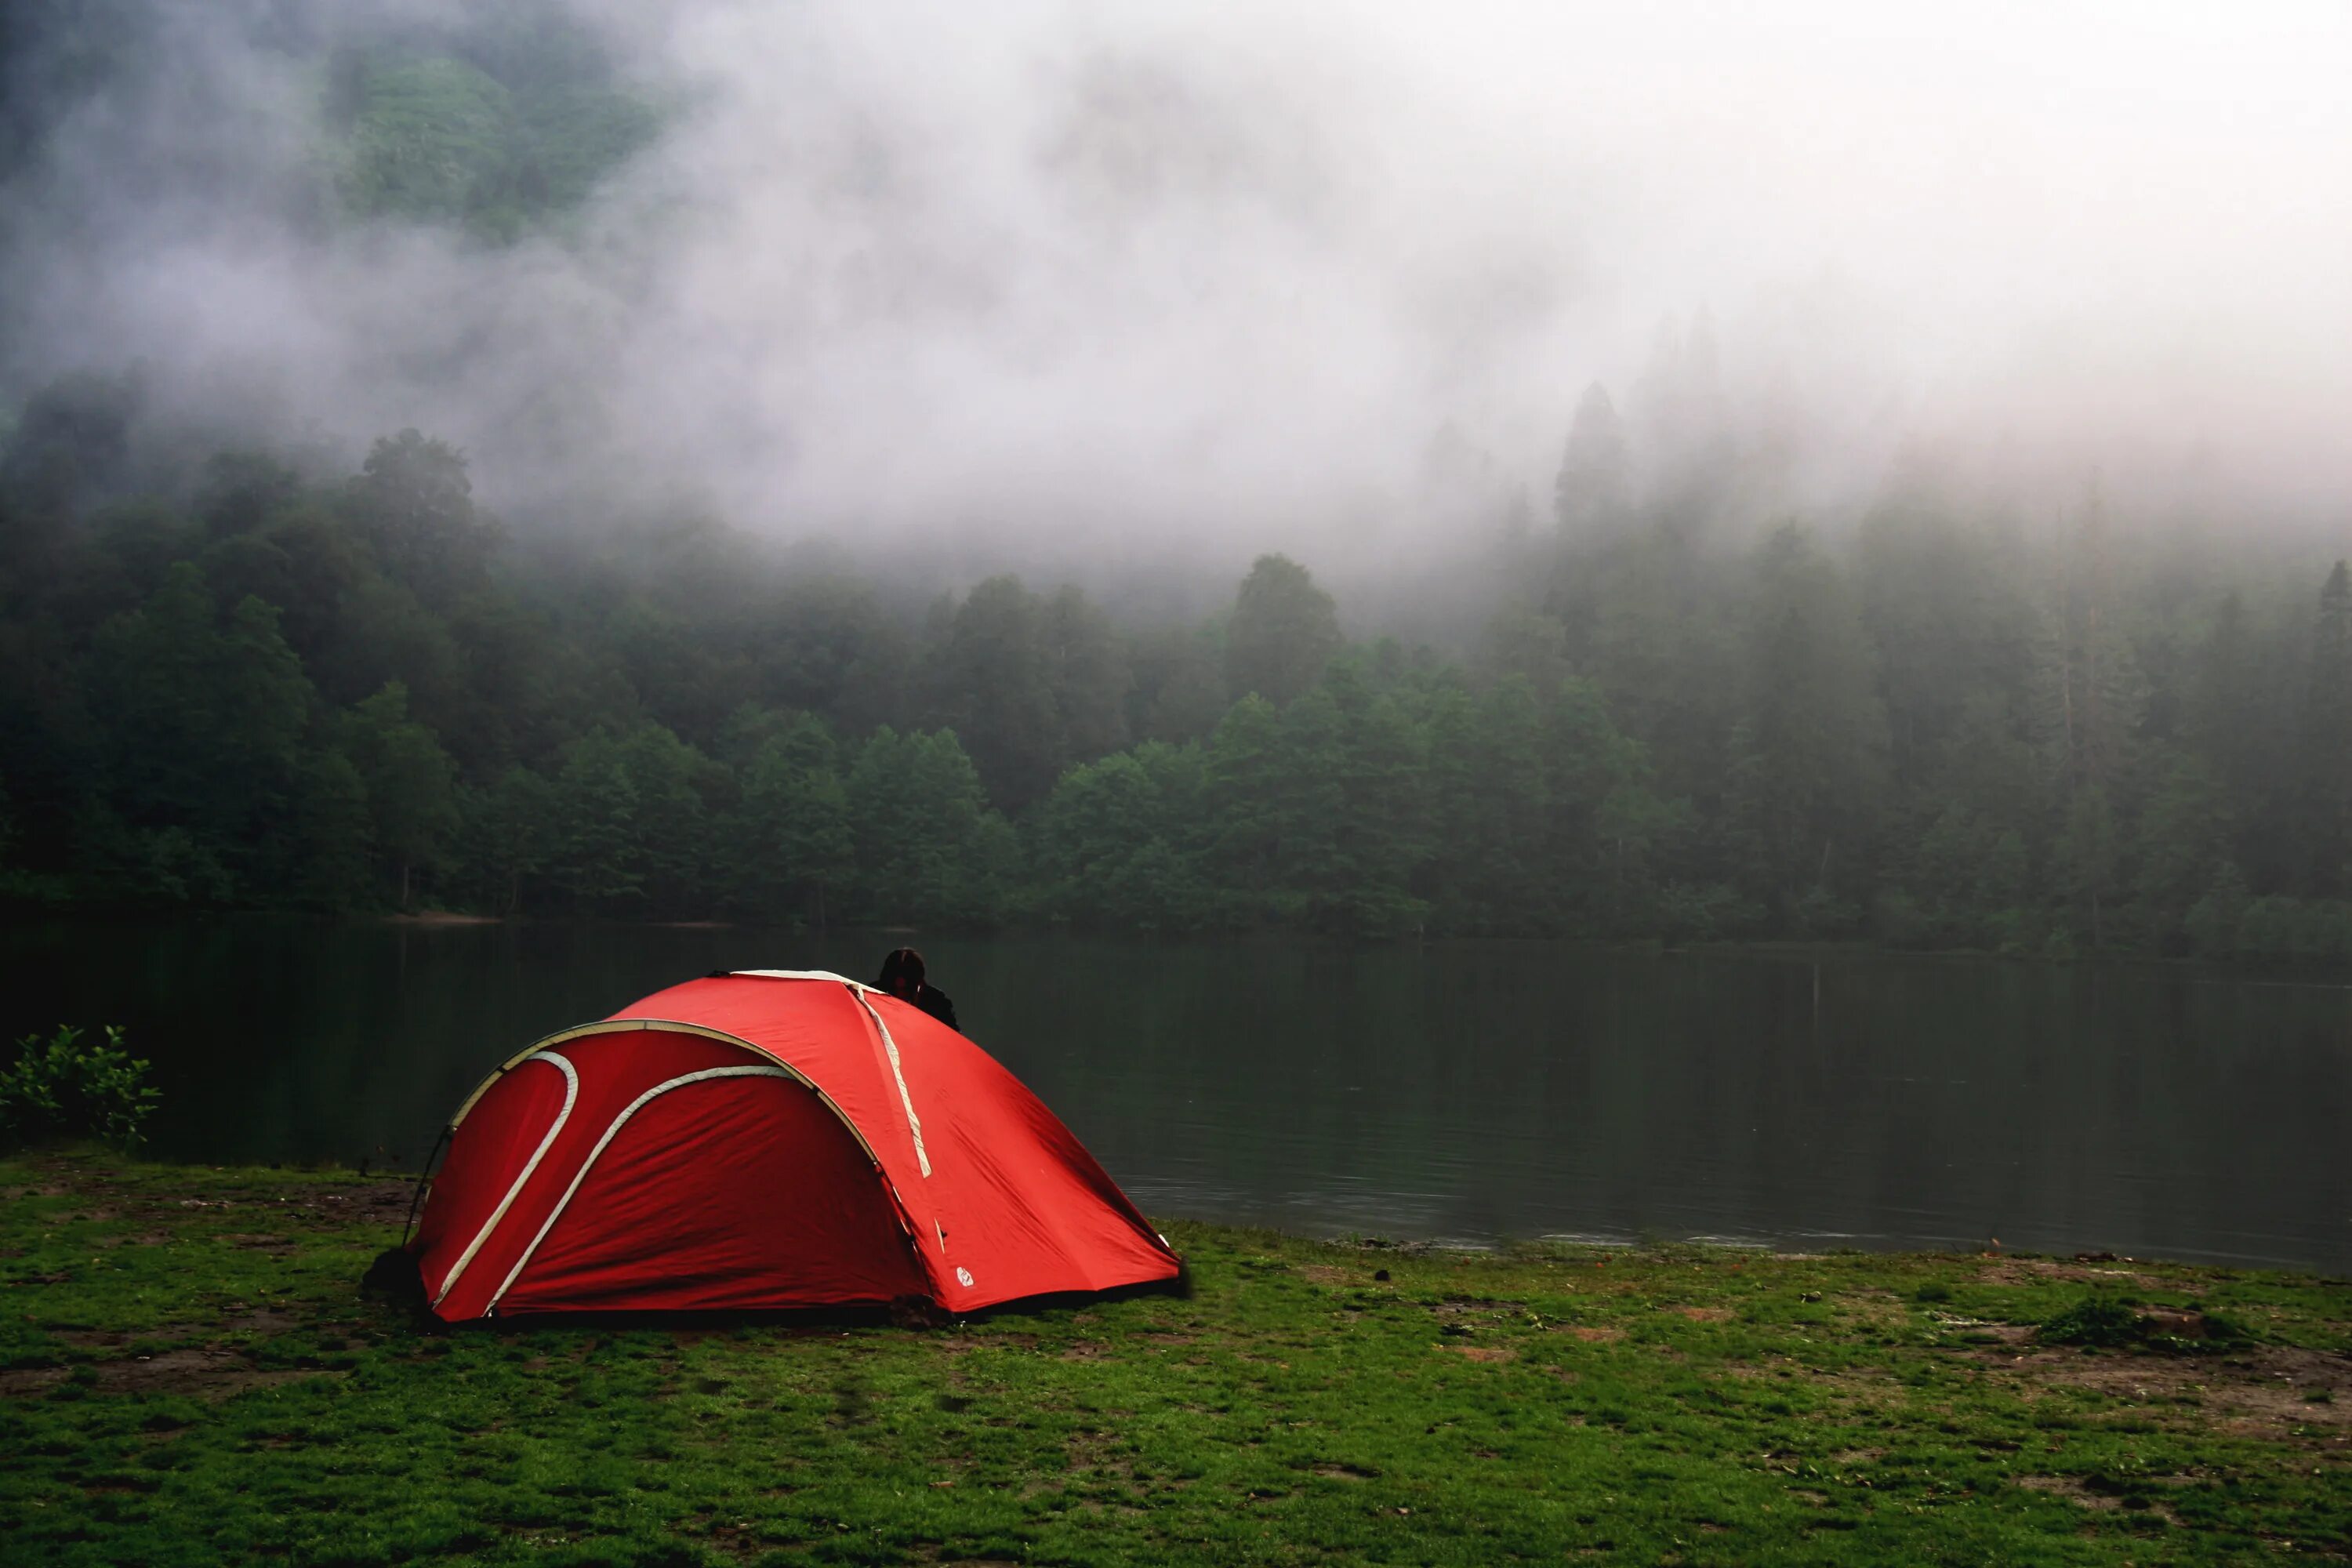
1461,1091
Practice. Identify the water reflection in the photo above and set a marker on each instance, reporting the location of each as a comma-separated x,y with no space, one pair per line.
1465,1091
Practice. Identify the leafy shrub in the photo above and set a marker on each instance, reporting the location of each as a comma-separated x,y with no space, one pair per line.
2111,1321
62,1087
2215,1331
2095,1321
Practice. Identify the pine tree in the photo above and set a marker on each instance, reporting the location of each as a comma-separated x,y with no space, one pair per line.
1591,493
1284,630
411,784
2092,696
792,852
2327,740
1809,752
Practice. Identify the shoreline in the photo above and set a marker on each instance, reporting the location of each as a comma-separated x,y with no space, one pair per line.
1730,1248
1791,949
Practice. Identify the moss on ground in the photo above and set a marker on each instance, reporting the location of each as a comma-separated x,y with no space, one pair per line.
188,1373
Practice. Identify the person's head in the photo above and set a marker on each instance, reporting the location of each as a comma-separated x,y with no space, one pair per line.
902,972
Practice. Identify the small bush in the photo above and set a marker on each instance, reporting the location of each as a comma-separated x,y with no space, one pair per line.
62,1087
2095,1321
2112,1322
1933,1290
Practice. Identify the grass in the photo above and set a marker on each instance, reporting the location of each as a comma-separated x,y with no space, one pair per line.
189,1374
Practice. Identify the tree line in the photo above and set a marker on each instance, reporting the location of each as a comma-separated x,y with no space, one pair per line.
245,683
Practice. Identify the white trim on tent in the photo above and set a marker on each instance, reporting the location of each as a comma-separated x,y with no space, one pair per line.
571,1095
890,1049
618,1123
800,975
627,1025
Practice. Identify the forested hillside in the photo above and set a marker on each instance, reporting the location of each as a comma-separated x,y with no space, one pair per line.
1678,706
492,118
251,686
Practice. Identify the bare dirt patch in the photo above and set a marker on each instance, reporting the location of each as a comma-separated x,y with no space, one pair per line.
2041,1270
1491,1355
1703,1314
2072,1488
1598,1336
203,1373
110,1339
2274,1391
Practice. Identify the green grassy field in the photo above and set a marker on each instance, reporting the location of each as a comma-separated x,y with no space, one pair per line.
188,1373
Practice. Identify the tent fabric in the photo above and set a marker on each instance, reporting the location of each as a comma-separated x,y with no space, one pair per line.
767,1139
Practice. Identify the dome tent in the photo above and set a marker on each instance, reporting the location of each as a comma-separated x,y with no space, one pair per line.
766,1138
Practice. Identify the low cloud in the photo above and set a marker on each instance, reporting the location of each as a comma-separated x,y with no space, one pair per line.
1037,280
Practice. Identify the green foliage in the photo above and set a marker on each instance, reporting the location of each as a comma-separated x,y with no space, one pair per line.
508,121
1029,681
929,849
1284,630
237,682
795,853
2100,1320
430,140
62,1087
2108,1322
409,782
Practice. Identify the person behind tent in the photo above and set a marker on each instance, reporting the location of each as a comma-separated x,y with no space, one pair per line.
902,976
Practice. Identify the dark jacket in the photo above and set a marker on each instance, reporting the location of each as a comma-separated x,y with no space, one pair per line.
936,1002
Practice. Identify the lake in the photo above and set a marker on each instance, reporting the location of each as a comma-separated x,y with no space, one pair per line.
1455,1091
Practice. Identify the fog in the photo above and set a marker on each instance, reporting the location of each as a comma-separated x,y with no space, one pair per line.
1037,282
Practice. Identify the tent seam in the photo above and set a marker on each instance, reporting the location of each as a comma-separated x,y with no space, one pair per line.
906,1100
610,1134
571,1097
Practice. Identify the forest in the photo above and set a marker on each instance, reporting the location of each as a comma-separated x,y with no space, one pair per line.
248,685
237,673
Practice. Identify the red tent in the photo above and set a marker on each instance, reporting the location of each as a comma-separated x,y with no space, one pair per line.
767,1139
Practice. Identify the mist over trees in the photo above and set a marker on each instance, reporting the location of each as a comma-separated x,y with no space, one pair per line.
1952,726
1754,648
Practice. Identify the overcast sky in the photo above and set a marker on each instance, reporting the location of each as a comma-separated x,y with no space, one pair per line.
1168,272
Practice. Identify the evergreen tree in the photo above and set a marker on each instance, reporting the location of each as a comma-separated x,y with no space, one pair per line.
506,833
204,722
1178,691
1246,844
1385,837
595,851
2094,694
991,680
2327,740
929,849
794,853
1593,491
1284,630
1810,750
416,507
410,784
